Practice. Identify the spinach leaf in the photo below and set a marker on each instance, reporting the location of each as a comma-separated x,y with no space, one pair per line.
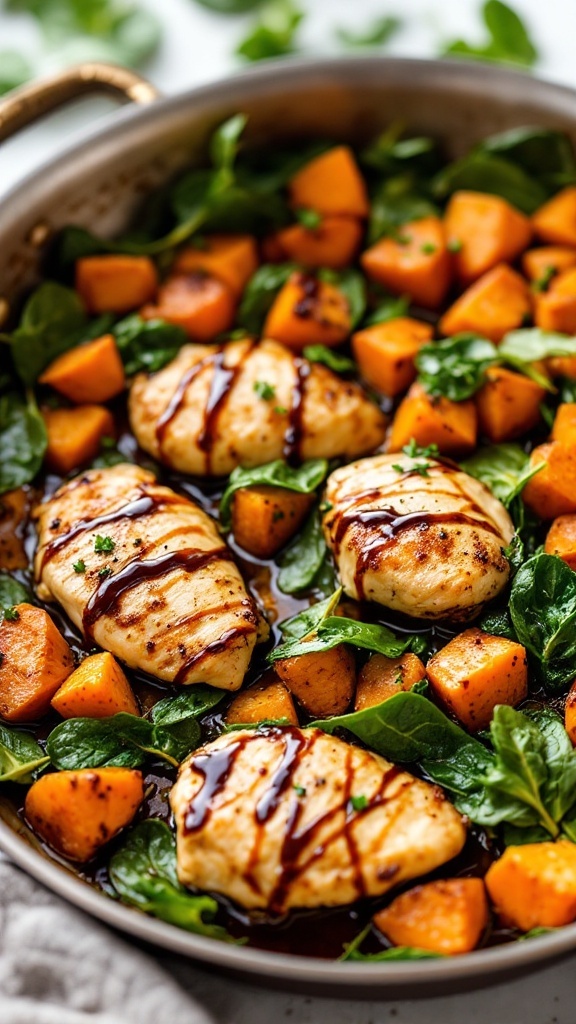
388,309
20,755
521,348
230,6
455,367
392,155
377,34
12,592
543,611
304,480
14,70
328,357
504,468
508,39
260,293
274,34
393,953
307,621
560,787
334,630
303,558
543,153
143,872
353,286
52,321
484,172
23,440
147,344
398,201
499,623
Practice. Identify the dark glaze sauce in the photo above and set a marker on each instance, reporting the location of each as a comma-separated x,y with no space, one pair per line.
295,429
216,647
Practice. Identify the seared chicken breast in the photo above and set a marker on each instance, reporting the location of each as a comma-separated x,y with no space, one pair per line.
417,535
246,403
267,819
145,574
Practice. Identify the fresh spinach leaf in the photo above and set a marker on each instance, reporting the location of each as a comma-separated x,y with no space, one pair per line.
455,367
12,592
23,440
194,701
391,155
303,558
230,6
328,357
260,293
504,468
521,348
15,69
20,755
396,202
499,623
377,34
387,309
147,344
52,321
353,286
274,34
509,41
304,479
307,621
484,172
393,953
543,611
334,630
543,153
144,873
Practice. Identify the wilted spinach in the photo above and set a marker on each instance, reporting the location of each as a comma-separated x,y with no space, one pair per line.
260,293
328,357
20,755
397,201
23,441
53,320
303,558
504,468
147,344
12,592
455,367
304,480
543,611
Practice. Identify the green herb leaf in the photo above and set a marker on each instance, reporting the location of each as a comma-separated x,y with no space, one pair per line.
353,286
388,309
23,441
79,566
103,544
377,34
20,755
274,34
543,611
328,357
53,320
260,293
147,345
455,367
264,390
335,630
305,479
143,871
394,953
504,468
521,348
303,558
398,201
309,219
230,6
12,592
484,172
508,39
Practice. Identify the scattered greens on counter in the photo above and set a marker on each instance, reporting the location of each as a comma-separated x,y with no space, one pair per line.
274,34
377,34
509,41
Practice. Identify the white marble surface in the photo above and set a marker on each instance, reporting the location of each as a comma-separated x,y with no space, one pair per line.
198,47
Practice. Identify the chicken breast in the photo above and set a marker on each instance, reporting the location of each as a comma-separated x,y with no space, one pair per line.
145,574
246,403
417,535
266,818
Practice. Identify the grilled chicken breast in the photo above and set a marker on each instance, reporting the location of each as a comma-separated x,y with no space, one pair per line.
266,818
417,535
144,573
245,403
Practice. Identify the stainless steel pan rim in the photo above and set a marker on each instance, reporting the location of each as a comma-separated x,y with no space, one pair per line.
363,980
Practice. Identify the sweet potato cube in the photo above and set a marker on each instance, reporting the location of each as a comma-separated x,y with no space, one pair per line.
561,539
202,306
555,312
265,518
14,509
385,353
447,916
233,259
35,662
496,303
75,435
434,420
77,812
552,491
89,373
562,366
417,262
334,243
331,183
541,265
382,677
570,712
475,672
508,404
555,221
308,311
115,284
98,688
534,886
323,682
487,231
564,426
267,701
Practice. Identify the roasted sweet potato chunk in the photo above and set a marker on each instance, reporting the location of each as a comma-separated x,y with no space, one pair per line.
570,712
555,221
201,305
385,353
552,491
475,672
35,662
266,701
98,688
534,886
14,510
331,183
88,373
564,426
308,311
77,812
447,916
75,435
233,259
323,682
115,284
382,677
561,539
485,230
508,404
542,265
334,243
496,303
434,420
265,518
416,262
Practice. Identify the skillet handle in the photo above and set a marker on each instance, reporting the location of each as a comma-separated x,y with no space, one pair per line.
30,102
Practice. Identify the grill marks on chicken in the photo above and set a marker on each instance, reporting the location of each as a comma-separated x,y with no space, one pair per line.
268,819
427,542
164,595
202,413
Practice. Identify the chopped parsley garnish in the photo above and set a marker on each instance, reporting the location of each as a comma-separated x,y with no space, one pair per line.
542,283
103,573
280,409
414,451
79,566
11,613
310,219
428,248
264,390
358,803
454,245
103,544
300,790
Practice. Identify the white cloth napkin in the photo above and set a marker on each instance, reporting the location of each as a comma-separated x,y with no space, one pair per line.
58,966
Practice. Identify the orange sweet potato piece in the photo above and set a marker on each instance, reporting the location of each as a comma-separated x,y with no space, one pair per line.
416,262
74,435
433,420
496,303
570,712
555,221
115,284
331,183
265,518
385,353
488,231
334,243
14,510
77,812
475,672
35,662
540,264
308,311
233,259
508,404
88,373
564,426
263,701
561,539
202,306
323,682
447,916
555,310
552,491
98,688
382,677
562,366
534,886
